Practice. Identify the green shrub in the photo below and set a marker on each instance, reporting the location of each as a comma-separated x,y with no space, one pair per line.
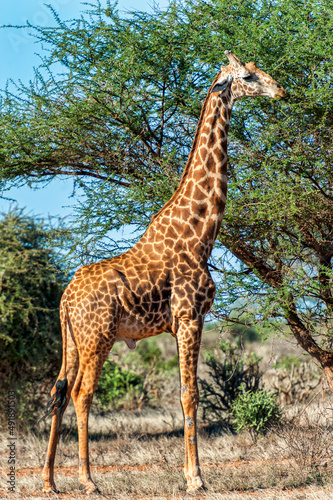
244,334
229,371
137,380
149,354
288,362
32,279
255,411
115,383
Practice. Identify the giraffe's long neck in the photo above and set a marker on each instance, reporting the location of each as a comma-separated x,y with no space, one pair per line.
193,216
203,188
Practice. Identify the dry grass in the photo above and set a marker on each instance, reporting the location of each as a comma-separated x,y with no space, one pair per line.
140,455
149,466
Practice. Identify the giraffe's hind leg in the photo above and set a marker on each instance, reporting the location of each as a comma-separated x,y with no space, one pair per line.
82,394
60,395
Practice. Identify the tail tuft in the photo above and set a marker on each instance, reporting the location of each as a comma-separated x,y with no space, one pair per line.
58,399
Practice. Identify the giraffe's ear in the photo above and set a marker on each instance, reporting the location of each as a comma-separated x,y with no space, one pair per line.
222,84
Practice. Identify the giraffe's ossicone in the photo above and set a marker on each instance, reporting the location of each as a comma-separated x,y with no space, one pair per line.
162,284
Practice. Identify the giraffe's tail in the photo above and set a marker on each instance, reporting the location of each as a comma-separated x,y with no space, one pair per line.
61,391
58,399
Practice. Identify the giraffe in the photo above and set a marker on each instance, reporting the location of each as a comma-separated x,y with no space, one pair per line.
162,284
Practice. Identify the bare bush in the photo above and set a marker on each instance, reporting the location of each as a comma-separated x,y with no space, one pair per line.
295,382
306,440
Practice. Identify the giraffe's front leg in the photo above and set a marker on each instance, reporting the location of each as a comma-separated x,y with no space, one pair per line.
188,340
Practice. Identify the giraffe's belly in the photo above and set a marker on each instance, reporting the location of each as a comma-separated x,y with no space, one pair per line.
134,327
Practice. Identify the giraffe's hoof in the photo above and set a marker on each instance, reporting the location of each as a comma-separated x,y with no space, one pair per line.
94,491
50,489
91,488
195,485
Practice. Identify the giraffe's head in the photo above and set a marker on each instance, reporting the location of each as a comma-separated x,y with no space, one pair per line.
245,80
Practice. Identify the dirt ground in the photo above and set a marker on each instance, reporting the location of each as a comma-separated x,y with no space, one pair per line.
311,492
290,462
140,455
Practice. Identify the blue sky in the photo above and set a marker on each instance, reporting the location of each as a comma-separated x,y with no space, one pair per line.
18,56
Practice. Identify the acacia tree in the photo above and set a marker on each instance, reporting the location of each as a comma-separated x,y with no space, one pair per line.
121,118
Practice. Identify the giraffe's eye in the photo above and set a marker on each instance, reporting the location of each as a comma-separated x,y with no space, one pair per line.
247,77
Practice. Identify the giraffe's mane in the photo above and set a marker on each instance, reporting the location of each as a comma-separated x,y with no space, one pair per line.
192,151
